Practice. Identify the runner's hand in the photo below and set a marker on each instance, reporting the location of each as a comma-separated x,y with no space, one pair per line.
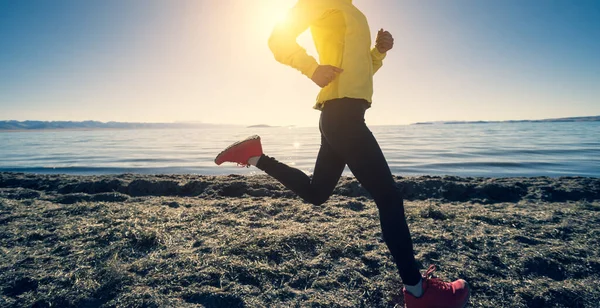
325,74
384,41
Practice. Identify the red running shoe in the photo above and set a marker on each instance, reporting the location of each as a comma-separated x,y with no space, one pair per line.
241,151
439,294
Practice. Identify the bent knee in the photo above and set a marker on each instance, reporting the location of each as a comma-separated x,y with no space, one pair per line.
319,199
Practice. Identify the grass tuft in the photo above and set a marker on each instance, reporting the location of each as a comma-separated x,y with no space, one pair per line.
201,241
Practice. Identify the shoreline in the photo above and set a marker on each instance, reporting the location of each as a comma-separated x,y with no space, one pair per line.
236,241
448,188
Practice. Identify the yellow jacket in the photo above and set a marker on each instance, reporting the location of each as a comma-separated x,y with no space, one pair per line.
342,38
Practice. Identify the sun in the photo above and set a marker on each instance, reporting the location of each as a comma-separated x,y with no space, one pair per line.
271,12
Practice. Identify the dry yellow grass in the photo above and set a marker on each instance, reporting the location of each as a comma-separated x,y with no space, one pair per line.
193,241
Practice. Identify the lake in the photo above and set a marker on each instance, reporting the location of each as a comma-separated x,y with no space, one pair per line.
490,150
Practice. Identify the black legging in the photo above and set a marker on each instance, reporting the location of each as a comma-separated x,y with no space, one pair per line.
346,139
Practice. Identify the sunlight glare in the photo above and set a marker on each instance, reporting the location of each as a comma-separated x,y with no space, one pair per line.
271,12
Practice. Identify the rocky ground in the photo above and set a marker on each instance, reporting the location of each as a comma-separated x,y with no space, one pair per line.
233,241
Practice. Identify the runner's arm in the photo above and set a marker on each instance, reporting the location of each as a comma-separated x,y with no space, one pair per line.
377,58
283,38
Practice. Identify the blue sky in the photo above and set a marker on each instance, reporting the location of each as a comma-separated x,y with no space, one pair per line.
207,60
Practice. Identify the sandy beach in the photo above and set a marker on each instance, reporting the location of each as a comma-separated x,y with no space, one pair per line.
235,241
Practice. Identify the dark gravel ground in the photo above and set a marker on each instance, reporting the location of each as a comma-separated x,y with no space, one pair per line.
232,241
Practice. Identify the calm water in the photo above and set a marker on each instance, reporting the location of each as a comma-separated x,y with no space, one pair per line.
495,150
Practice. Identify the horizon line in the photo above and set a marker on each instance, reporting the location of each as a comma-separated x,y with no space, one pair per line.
272,125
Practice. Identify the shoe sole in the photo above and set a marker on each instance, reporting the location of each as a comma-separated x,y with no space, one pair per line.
254,137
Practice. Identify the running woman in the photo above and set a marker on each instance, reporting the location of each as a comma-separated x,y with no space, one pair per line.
342,38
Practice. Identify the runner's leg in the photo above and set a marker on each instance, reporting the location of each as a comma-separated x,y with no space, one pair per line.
328,169
345,130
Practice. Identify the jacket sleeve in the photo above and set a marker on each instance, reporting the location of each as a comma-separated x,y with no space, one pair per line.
377,58
283,38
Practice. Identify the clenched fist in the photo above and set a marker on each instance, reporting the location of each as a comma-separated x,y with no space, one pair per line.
384,41
325,74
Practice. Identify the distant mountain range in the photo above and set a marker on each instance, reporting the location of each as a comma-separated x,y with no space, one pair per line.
39,125
260,126
573,119
36,125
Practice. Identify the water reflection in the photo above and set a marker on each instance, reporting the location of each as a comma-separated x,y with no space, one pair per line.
517,149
